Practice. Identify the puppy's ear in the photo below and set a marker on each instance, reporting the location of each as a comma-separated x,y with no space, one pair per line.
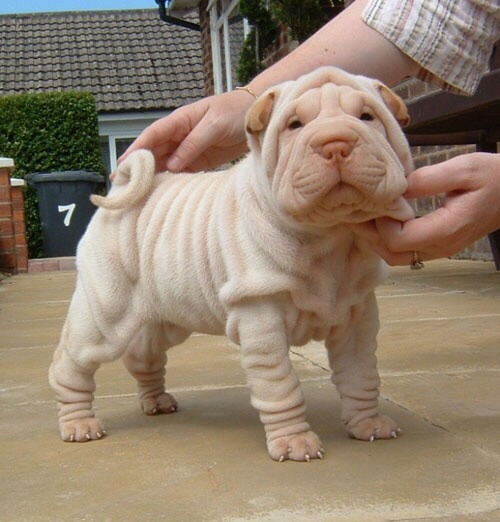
259,113
395,104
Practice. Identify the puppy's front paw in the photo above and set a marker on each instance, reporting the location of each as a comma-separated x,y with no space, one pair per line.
82,430
163,403
301,447
376,427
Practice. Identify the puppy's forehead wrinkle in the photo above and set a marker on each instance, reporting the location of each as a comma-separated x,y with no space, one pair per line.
352,102
329,100
308,106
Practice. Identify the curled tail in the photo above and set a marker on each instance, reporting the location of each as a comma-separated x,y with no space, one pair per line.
132,183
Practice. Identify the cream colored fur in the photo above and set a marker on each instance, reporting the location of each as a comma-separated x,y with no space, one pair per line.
260,252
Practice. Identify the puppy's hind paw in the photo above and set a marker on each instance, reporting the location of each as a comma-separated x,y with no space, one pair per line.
376,427
163,403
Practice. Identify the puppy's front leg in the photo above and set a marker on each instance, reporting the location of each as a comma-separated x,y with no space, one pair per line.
274,386
351,352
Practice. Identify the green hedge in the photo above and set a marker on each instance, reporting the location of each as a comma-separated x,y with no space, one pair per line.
45,133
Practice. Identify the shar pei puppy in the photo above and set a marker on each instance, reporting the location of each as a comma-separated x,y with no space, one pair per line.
262,252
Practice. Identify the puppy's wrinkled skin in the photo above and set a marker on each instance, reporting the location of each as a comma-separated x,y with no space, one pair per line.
261,252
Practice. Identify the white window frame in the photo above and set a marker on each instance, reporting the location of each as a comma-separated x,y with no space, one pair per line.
112,147
114,127
218,21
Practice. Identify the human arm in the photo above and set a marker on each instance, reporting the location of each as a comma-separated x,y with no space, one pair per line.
471,209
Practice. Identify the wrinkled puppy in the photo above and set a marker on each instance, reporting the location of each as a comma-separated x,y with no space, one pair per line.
261,252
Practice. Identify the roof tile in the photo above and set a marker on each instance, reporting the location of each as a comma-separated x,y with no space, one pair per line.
129,60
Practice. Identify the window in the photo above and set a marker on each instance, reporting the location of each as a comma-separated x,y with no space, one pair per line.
118,131
112,147
228,31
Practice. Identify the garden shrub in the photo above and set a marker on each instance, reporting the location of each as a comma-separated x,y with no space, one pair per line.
264,32
48,132
267,18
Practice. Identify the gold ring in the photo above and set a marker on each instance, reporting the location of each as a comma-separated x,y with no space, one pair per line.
417,263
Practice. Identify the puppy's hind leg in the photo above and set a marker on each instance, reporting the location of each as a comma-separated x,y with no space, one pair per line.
146,359
81,350
74,386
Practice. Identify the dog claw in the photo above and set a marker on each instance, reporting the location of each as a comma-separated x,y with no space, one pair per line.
308,458
372,438
319,455
282,458
173,408
394,435
87,436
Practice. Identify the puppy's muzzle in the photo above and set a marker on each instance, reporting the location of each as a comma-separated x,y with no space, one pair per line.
352,158
337,151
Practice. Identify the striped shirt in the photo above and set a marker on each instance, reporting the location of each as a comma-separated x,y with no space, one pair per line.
451,40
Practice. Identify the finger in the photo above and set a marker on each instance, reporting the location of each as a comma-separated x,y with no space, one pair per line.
451,175
150,138
162,136
420,234
194,145
161,155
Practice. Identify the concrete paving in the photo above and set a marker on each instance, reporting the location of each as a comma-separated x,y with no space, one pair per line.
439,359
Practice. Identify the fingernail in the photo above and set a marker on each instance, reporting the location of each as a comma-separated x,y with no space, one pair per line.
174,164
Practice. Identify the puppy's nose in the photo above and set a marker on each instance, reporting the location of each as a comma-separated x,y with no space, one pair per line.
336,150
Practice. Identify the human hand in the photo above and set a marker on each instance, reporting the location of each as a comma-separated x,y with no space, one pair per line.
199,136
470,210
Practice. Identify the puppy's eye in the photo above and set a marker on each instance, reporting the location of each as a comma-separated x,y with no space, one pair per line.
295,124
366,116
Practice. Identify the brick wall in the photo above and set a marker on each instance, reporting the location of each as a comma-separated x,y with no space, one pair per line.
13,246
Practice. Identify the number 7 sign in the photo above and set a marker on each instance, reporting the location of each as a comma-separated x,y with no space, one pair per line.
69,209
